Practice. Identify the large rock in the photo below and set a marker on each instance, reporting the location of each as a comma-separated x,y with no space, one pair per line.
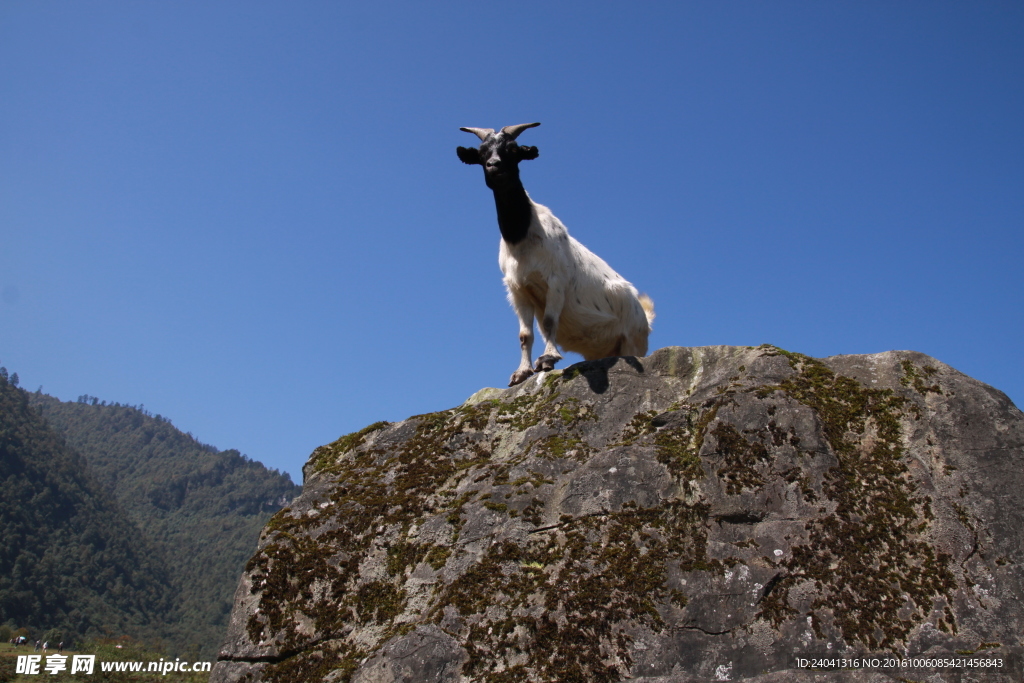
700,514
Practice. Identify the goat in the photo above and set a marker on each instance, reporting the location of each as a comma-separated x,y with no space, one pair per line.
581,304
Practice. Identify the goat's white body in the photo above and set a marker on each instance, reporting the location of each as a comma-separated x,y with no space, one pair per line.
580,303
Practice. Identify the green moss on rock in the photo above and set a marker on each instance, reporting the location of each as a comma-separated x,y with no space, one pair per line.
868,559
460,521
324,458
742,460
917,377
601,573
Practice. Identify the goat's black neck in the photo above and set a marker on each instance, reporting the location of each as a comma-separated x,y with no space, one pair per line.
514,212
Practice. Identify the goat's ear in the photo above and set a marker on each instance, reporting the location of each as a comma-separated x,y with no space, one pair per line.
526,152
468,155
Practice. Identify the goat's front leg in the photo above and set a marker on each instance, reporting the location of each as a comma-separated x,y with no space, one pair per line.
525,312
549,326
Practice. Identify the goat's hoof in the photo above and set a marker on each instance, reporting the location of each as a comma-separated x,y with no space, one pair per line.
546,363
519,376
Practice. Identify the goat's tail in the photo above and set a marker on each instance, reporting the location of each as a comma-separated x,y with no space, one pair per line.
648,306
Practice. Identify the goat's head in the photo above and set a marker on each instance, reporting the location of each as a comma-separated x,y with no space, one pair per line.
499,154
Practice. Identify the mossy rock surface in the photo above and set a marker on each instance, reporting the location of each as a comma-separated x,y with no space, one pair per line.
699,514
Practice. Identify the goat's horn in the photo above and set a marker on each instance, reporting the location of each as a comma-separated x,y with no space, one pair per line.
481,133
514,131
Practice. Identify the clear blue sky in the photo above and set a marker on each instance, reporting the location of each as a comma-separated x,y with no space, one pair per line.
249,216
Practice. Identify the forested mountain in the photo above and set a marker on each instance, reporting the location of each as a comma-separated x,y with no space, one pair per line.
201,507
113,522
70,558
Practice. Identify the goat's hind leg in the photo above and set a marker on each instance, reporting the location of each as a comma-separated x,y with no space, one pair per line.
549,327
634,344
525,313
